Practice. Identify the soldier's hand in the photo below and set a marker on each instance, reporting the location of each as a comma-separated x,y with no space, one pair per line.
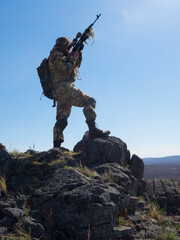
76,54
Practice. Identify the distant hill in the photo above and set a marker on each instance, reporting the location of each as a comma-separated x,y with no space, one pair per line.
170,160
164,167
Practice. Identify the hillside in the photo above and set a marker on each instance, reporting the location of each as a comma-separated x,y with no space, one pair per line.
162,171
165,167
170,160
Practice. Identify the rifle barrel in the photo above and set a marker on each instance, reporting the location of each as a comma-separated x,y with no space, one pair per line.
97,16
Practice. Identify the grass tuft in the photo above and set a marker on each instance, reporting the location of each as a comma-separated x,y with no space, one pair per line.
3,185
167,235
108,174
157,214
89,232
57,162
22,234
15,152
87,172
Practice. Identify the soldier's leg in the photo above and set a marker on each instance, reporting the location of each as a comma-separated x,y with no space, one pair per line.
63,112
81,99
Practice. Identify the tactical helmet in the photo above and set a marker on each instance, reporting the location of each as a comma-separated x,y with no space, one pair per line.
63,41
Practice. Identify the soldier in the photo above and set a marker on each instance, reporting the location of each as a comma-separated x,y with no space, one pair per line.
63,73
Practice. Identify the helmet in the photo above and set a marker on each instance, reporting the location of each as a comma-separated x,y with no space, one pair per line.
63,41
61,45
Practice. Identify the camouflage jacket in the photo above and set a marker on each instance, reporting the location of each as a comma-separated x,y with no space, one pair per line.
62,70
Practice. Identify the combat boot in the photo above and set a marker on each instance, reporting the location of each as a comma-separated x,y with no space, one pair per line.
94,132
57,143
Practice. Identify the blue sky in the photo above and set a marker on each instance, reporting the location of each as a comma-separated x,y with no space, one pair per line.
132,70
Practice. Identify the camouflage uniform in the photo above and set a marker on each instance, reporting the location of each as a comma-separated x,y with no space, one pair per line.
65,93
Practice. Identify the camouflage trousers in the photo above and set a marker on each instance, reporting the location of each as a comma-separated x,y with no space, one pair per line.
67,96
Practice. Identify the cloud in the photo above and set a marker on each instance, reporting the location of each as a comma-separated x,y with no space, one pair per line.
151,12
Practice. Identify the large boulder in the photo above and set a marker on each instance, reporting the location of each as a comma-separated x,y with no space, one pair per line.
103,150
137,167
74,205
115,173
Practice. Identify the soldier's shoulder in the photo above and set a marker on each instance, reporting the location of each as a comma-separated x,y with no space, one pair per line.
56,55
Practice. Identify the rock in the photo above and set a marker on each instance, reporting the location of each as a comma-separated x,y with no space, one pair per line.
164,192
152,231
148,189
115,173
134,186
7,221
141,204
31,152
122,232
136,167
141,188
172,195
2,147
32,226
6,162
103,150
132,206
50,197
70,202
4,205
136,218
49,156
3,231
158,188
13,212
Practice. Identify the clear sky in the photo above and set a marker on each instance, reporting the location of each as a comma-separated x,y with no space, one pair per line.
132,70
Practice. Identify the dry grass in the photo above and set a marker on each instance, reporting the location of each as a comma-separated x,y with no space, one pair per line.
18,234
57,162
3,185
87,172
141,199
71,154
108,174
22,234
15,152
89,232
157,214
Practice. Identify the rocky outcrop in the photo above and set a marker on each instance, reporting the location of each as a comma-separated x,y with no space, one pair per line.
136,166
71,203
12,217
97,192
164,192
120,175
103,150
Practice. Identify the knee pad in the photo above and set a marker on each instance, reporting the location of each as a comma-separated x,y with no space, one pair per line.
91,101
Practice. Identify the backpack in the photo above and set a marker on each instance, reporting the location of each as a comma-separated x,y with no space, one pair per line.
45,78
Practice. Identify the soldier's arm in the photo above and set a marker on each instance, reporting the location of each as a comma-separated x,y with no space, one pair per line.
78,57
79,60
